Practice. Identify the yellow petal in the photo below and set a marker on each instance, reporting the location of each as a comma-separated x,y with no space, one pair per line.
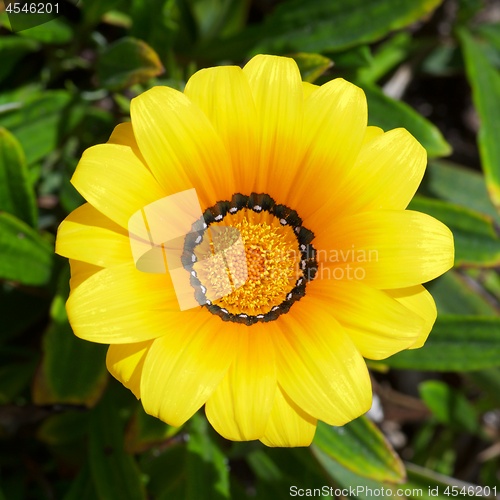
125,362
420,301
385,248
308,89
319,367
112,179
386,174
120,304
240,406
80,271
123,134
223,93
180,145
89,236
371,133
88,215
378,325
183,368
277,90
335,117
288,425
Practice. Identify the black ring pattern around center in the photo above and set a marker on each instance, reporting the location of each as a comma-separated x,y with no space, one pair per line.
257,203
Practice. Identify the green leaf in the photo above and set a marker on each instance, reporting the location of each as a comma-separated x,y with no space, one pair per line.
485,83
207,469
15,378
467,10
352,59
12,49
73,371
456,343
13,484
276,469
476,240
458,184
489,282
323,25
127,62
146,431
387,56
16,193
455,293
158,22
215,17
449,406
264,467
428,484
362,448
166,471
352,484
312,66
56,31
489,382
443,61
24,256
422,484
38,121
13,306
93,10
64,428
387,113
491,32
114,472
82,488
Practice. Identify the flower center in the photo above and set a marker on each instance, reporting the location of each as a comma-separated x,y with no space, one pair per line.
259,267
251,260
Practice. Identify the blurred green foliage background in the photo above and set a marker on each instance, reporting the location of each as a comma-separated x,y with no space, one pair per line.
67,430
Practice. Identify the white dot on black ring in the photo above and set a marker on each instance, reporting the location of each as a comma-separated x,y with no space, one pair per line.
283,222
218,217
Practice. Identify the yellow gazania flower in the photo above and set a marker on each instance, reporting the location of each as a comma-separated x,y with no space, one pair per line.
295,169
